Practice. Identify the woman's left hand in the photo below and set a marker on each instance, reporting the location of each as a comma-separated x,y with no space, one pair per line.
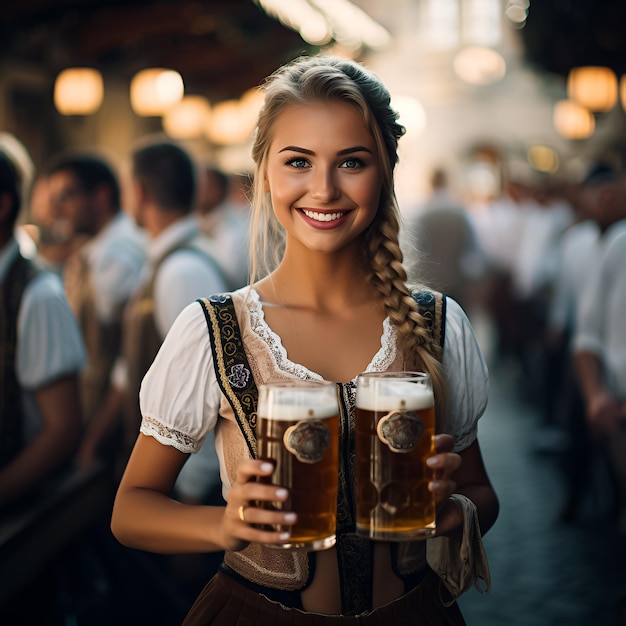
444,464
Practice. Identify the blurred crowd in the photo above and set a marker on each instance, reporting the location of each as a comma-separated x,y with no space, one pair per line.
89,289
90,285
543,259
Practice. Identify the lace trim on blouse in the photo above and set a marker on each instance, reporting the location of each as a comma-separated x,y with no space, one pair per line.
168,436
381,362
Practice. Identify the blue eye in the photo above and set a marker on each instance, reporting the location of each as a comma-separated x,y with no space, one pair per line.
352,164
297,162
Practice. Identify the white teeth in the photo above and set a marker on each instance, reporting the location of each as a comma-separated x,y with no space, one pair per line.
322,217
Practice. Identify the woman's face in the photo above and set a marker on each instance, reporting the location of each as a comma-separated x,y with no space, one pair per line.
323,174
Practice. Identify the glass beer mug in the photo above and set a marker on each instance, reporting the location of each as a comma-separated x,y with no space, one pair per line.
298,431
395,428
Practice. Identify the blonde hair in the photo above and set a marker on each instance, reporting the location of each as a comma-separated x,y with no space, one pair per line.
326,78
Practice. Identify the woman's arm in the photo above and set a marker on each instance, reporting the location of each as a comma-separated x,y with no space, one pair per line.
146,517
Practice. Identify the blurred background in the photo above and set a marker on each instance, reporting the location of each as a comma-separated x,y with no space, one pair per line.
508,104
462,73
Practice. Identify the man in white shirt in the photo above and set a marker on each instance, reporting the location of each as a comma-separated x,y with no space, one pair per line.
100,276
179,271
41,354
600,342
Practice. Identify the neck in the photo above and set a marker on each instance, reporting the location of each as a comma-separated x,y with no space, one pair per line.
319,280
157,221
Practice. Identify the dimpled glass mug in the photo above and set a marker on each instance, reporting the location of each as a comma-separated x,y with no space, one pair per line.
395,428
298,432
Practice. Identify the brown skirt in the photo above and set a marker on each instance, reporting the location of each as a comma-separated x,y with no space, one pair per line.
226,602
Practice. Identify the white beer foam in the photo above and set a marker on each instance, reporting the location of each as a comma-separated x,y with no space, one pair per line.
389,395
304,406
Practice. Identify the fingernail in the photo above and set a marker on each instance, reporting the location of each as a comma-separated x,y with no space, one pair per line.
283,536
281,493
290,517
434,484
266,467
432,461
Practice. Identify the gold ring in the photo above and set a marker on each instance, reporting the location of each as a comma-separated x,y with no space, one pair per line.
241,516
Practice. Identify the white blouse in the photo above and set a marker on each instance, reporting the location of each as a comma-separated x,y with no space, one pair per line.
180,395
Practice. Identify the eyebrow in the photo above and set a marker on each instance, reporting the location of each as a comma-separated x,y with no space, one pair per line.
340,153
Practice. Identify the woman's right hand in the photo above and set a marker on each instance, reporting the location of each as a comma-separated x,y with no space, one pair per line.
242,516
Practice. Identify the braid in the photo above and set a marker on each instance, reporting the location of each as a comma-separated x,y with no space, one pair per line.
325,78
389,277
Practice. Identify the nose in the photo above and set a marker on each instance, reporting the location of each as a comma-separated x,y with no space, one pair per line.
324,186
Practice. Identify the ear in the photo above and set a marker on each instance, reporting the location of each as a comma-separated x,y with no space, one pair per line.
266,185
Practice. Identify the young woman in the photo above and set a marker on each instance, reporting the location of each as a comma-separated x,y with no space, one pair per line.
334,305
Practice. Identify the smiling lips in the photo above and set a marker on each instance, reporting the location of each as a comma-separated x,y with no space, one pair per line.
324,217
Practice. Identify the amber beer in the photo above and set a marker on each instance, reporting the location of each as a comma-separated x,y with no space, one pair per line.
395,428
298,431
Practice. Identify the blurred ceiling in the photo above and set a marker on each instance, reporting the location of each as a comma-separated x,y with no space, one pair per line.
221,47
561,34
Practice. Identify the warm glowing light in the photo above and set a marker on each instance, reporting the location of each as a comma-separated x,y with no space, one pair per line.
78,91
321,21
228,124
479,66
351,26
154,90
594,87
622,90
188,118
300,16
543,158
573,120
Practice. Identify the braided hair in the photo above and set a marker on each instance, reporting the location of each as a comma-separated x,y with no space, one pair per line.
327,78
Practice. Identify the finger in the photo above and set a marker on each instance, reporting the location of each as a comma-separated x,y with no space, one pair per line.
250,469
249,493
260,517
444,464
442,489
251,534
266,526
444,443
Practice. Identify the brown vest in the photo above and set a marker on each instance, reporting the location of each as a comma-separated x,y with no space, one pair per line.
21,272
142,340
242,362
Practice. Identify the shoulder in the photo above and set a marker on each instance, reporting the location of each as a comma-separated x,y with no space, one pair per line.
123,242
47,320
188,334
466,375
192,319
45,288
461,346
616,241
191,264
456,320
432,306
